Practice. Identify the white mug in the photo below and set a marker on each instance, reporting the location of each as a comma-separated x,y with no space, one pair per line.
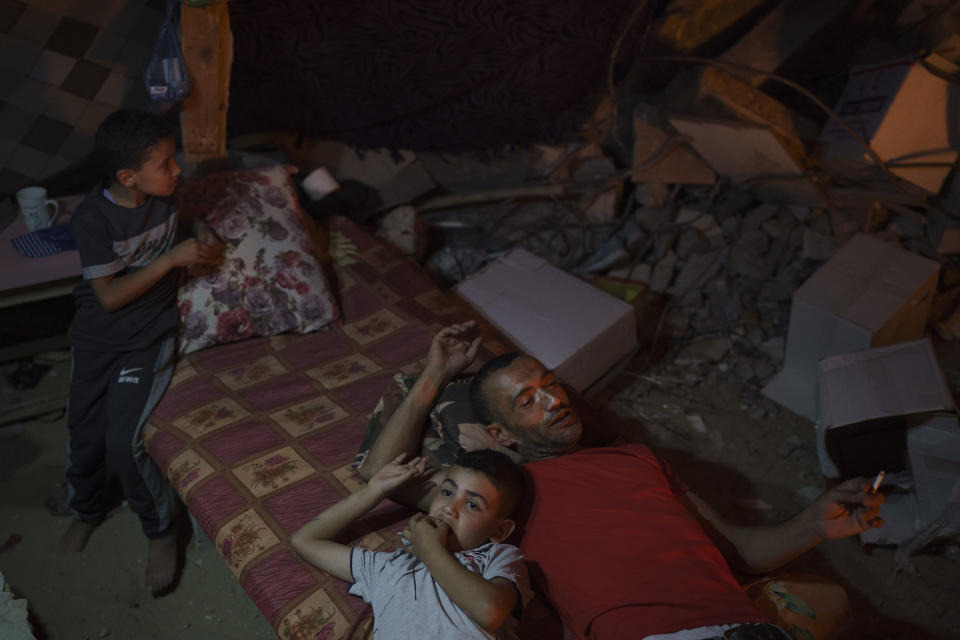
33,204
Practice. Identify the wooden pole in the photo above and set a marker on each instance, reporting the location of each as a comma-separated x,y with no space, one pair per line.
208,54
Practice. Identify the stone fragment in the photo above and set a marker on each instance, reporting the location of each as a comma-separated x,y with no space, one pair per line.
698,268
603,208
651,194
663,272
703,350
652,219
708,227
753,504
754,218
686,215
690,242
791,444
774,348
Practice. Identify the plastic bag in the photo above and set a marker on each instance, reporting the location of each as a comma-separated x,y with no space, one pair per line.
166,76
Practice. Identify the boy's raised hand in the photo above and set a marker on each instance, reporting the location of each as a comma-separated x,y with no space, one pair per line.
396,472
425,532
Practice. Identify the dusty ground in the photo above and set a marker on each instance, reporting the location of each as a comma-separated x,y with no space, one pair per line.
748,449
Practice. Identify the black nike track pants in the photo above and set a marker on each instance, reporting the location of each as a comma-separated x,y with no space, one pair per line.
111,397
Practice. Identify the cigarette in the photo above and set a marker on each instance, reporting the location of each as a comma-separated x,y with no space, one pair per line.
877,481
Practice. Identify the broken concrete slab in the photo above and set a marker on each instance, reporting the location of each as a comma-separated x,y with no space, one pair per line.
690,24
780,34
712,92
751,155
661,156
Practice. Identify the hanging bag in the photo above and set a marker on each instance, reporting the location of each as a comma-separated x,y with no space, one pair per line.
166,76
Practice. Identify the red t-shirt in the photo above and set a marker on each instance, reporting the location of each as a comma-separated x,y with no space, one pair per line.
617,554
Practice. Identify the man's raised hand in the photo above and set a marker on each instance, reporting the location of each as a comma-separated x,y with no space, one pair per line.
453,349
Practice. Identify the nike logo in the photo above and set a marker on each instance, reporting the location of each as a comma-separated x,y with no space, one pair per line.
124,372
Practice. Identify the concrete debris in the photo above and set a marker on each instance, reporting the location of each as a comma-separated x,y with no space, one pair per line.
651,194
698,269
603,208
708,227
752,504
402,229
663,272
660,156
686,215
704,350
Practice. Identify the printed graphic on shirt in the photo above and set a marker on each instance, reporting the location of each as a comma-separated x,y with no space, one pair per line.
136,251
141,250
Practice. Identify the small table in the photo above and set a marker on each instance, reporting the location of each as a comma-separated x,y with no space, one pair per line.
25,279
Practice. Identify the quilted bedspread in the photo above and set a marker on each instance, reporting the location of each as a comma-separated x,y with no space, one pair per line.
258,436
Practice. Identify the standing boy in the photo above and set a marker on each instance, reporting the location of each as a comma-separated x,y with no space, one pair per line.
124,331
455,578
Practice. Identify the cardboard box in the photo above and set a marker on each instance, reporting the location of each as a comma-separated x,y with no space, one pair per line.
905,112
890,408
870,294
569,325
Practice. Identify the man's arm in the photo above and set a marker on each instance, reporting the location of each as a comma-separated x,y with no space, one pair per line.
845,510
450,352
115,292
487,602
314,540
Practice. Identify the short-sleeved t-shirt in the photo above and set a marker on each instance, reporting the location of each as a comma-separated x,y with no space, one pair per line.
116,240
618,554
408,603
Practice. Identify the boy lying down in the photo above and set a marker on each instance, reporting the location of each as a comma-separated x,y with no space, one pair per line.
455,578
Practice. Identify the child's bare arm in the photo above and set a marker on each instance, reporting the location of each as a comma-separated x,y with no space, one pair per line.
115,292
487,602
314,540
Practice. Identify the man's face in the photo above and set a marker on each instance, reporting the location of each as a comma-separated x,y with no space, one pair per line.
470,504
159,173
534,409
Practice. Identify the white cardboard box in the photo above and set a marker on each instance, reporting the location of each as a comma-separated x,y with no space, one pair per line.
569,325
907,115
890,408
869,294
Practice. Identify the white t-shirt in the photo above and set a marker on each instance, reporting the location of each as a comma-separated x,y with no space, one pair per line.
408,603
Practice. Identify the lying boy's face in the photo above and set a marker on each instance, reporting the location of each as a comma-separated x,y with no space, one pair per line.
158,174
470,504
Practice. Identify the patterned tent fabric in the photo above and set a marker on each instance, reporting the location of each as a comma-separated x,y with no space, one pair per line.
435,75
258,436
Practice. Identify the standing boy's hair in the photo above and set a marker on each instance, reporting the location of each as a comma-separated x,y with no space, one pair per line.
124,139
505,474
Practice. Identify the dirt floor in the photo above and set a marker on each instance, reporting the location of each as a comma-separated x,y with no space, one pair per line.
747,450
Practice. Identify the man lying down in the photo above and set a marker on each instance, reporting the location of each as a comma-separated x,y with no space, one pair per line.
614,538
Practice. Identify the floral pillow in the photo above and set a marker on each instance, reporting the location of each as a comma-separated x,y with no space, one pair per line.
271,280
